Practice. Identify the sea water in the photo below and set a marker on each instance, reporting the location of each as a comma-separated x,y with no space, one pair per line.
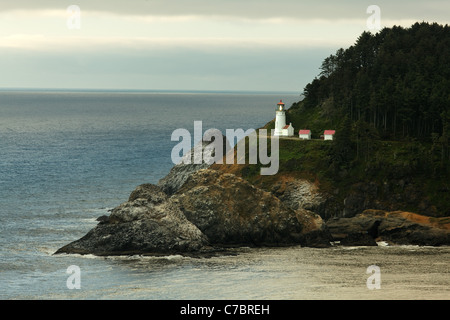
67,157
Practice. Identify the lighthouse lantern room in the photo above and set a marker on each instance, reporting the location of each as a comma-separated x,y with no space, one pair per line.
281,129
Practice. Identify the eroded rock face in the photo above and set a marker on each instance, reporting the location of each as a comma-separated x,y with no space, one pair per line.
178,176
150,192
299,194
149,223
231,211
211,209
179,173
393,227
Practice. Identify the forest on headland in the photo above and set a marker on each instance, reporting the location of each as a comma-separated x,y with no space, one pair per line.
388,98
394,84
397,80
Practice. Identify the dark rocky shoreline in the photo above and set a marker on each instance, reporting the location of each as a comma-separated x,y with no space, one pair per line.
212,211
396,227
197,211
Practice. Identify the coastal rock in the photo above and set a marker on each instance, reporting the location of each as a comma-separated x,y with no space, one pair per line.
179,173
178,176
231,211
150,192
149,223
395,227
211,210
298,194
389,195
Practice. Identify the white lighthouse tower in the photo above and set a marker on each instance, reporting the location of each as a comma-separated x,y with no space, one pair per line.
281,129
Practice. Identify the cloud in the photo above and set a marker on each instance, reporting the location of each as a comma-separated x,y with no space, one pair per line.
44,29
179,44
155,67
202,22
249,9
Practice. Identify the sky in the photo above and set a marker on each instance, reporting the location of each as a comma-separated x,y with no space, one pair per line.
244,45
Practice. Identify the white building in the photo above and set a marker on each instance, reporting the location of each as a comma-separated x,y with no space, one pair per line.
304,134
328,134
288,130
281,129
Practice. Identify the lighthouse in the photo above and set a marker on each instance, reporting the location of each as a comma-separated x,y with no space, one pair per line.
281,129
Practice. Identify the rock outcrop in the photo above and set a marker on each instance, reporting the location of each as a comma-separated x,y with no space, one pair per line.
199,209
298,194
210,211
395,227
179,173
231,211
149,223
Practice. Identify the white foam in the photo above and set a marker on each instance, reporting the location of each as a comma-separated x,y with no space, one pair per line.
47,251
174,257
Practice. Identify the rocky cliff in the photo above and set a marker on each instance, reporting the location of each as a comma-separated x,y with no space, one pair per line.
187,166
194,210
362,218
148,223
396,227
199,209
210,211
231,211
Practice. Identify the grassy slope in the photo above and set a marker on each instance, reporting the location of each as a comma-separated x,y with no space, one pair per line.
392,163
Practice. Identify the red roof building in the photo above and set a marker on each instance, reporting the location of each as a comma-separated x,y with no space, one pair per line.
328,134
304,134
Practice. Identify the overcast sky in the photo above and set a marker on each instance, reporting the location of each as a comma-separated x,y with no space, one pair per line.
261,45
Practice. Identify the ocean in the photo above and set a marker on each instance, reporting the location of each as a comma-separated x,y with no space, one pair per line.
69,156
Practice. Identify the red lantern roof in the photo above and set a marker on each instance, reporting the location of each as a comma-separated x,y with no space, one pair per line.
281,102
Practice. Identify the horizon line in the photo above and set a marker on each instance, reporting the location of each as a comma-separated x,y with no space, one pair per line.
124,90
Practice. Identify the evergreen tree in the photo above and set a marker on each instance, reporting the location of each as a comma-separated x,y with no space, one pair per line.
397,80
342,147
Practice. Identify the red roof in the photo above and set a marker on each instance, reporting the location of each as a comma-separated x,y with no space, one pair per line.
286,126
304,131
329,132
281,102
